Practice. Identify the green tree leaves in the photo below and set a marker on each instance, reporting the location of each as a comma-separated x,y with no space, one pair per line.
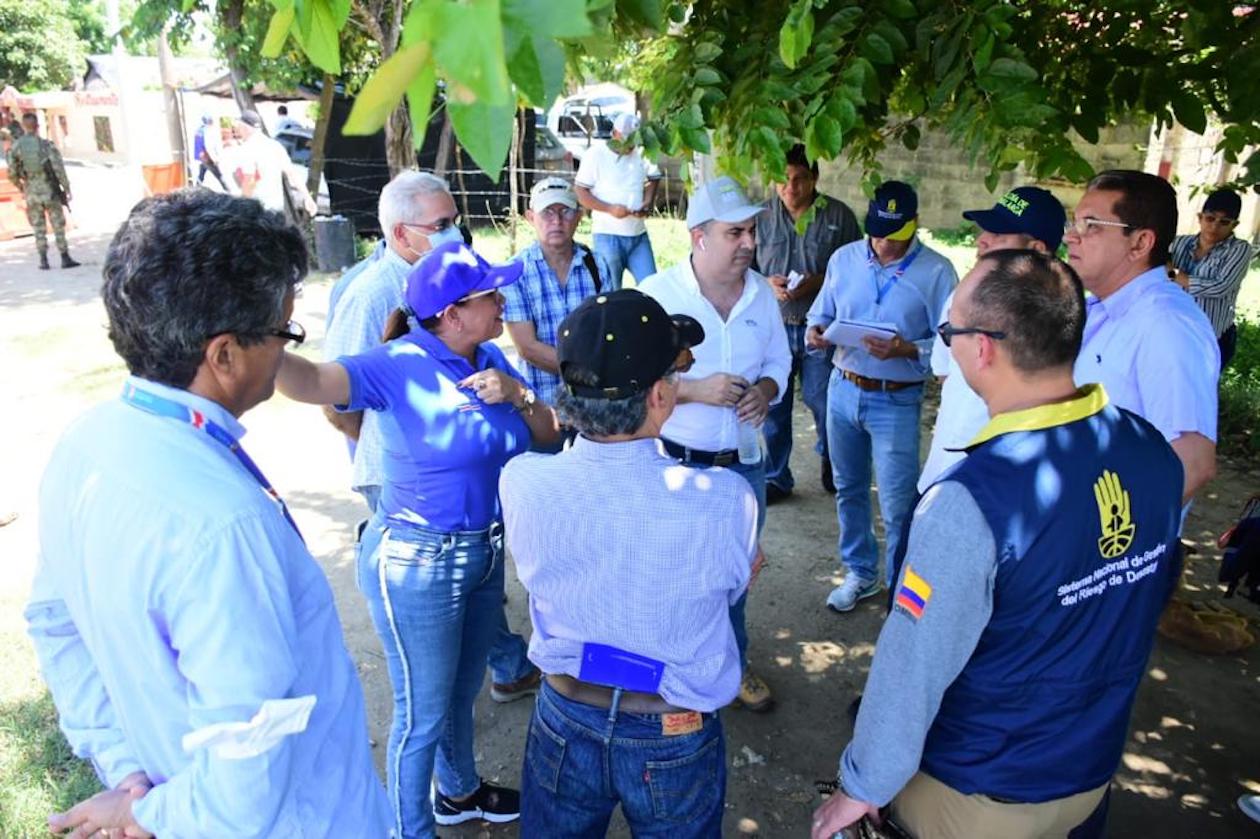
39,49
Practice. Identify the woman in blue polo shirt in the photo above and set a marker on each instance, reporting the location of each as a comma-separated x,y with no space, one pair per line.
453,412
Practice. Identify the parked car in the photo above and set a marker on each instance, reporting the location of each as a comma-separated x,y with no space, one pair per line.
297,142
583,123
550,154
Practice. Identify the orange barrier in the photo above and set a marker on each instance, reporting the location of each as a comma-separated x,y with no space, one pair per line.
161,178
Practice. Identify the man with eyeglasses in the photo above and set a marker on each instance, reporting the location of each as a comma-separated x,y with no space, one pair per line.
1034,574
416,214
559,274
189,639
1026,217
875,395
1211,266
1145,339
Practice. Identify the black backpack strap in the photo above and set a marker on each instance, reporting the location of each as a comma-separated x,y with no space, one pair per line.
588,259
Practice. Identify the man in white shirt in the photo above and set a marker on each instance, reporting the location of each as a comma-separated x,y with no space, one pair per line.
1027,217
1146,340
740,370
618,186
262,164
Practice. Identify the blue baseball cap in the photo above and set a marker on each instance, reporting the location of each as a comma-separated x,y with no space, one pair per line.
892,212
1030,210
451,272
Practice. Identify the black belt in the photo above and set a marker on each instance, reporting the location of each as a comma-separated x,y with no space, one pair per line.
599,696
690,455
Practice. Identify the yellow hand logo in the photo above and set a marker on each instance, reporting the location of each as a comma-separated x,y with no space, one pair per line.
1113,510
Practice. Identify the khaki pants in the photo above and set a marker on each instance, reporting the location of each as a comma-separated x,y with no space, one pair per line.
930,809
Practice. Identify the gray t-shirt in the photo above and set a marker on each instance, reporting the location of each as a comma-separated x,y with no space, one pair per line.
780,249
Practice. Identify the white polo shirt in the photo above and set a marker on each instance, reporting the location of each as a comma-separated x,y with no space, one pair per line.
751,343
961,416
616,179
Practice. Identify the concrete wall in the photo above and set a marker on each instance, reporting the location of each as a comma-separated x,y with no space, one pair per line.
1190,162
948,185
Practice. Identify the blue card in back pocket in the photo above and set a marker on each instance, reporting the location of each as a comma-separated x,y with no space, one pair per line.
613,667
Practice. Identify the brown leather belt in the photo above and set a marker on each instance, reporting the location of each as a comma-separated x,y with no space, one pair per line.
599,696
876,384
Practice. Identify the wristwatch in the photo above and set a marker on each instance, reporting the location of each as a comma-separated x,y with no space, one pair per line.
528,398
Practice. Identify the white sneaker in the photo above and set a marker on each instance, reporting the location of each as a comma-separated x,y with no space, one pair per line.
846,595
1250,805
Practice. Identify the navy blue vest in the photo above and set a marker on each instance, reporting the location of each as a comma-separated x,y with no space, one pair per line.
1084,503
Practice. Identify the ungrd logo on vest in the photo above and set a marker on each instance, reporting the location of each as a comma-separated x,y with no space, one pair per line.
1113,509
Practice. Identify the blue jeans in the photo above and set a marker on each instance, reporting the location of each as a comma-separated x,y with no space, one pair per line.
883,427
622,252
813,368
509,661
580,761
436,601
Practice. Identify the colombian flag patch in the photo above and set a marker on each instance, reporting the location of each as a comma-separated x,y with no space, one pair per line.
914,594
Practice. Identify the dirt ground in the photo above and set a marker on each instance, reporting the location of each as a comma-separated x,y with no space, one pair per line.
1192,750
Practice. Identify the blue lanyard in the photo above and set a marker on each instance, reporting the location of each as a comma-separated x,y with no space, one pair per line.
162,407
902,267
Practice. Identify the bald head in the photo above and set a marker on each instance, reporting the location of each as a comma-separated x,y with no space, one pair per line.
1035,300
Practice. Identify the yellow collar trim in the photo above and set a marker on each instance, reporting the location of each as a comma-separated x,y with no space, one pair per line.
1088,401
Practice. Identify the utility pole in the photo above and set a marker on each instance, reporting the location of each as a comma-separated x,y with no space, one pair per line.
174,124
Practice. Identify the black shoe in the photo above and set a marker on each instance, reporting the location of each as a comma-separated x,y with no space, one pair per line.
66,261
775,494
828,481
490,803
43,262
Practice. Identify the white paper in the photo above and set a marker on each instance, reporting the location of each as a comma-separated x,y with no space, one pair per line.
794,279
275,720
849,333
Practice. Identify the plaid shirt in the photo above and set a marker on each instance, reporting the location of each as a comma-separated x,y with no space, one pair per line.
538,298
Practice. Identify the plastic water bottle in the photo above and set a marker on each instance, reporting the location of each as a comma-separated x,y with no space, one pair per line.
749,443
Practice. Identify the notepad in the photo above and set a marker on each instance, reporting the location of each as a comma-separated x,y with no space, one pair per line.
849,333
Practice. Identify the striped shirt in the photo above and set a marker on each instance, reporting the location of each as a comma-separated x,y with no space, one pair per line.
539,298
619,544
1216,278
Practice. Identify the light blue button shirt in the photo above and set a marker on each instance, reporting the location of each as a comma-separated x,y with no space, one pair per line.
914,290
171,595
1153,349
357,326
619,544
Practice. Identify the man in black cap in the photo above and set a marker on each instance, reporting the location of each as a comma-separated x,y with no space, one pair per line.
630,599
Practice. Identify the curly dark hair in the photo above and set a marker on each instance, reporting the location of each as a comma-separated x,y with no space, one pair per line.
190,265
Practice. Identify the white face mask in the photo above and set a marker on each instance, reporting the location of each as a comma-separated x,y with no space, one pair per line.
445,237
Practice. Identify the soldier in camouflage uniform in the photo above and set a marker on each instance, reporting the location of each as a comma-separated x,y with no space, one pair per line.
35,168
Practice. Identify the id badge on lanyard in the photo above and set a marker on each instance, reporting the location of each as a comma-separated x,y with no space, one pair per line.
881,289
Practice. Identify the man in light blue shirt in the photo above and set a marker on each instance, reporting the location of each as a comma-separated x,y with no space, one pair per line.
190,641
646,575
876,390
1146,340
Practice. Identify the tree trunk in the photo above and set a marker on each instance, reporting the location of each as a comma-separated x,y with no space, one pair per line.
400,150
320,139
446,147
232,13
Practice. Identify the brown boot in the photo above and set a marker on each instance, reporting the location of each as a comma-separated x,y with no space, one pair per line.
43,261
66,261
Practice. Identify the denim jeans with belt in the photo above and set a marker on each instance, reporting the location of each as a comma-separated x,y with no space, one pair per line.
580,761
622,252
436,600
813,368
865,427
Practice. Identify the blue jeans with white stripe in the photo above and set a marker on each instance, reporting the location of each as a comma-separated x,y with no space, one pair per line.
436,600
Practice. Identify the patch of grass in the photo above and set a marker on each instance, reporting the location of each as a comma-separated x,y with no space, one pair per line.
1240,394
41,775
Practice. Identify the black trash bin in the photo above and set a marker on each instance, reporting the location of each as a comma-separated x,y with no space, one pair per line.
334,242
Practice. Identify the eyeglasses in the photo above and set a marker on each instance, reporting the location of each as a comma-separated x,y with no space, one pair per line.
436,226
293,332
682,363
1219,221
947,331
559,214
1082,226
469,297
